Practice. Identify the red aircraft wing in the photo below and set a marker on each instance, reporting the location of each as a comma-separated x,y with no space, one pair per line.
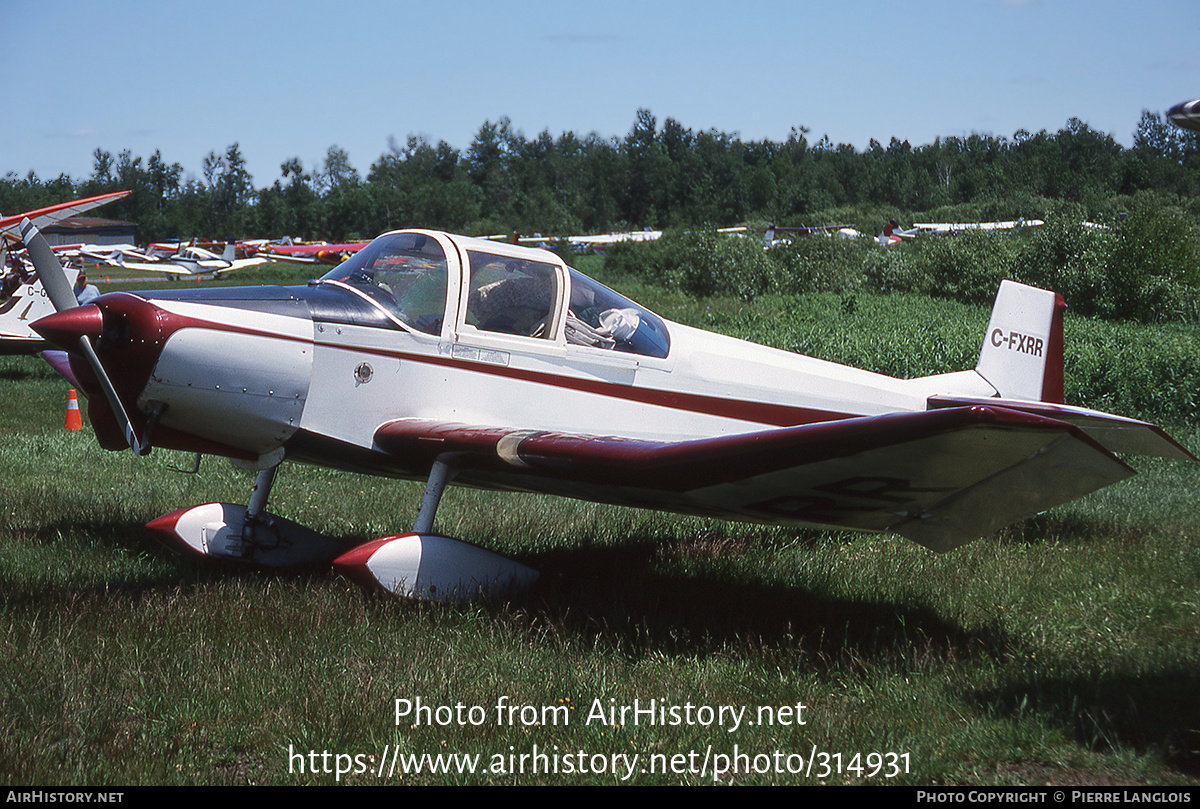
43,217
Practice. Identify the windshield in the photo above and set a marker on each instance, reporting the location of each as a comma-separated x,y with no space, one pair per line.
403,272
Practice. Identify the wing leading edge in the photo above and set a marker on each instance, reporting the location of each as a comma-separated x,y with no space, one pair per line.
940,477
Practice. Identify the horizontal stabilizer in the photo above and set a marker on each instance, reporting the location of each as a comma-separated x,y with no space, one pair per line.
1117,433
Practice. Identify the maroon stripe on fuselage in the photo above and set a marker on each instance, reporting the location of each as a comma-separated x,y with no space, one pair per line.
771,413
778,415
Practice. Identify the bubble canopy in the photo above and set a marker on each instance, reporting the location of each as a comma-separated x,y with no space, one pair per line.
407,275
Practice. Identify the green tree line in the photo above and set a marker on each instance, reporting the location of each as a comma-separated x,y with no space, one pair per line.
657,176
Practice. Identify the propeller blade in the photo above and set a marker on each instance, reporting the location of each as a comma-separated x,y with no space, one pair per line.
114,401
55,282
49,270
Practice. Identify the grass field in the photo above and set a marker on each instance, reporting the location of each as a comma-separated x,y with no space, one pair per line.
1065,650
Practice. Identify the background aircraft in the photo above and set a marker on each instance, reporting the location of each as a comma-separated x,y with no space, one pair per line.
190,261
598,244
110,254
332,254
960,227
1185,114
22,298
439,357
893,234
774,232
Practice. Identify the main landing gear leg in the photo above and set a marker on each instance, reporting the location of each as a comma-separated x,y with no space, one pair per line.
430,567
245,533
441,474
419,564
256,516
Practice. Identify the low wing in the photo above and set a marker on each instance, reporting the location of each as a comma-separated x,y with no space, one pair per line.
146,266
607,239
940,477
184,267
959,227
218,266
243,263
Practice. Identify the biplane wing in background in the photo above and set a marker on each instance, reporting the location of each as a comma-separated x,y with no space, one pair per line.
443,358
52,214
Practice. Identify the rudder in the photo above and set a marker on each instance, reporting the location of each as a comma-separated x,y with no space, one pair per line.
1022,355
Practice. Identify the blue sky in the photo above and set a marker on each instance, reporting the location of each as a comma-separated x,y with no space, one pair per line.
289,79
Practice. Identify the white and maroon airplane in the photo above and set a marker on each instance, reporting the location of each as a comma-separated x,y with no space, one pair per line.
438,357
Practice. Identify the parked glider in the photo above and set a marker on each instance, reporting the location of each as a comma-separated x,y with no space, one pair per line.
894,234
438,357
603,242
774,233
599,243
22,298
961,227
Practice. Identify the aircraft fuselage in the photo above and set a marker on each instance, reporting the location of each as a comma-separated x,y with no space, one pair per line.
314,371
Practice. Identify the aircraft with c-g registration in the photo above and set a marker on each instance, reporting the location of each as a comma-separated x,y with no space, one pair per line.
22,298
443,358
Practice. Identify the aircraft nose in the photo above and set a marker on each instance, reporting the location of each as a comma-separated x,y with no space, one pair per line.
64,329
127,335
118,322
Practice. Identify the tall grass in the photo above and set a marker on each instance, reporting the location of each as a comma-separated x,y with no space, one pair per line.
1063,650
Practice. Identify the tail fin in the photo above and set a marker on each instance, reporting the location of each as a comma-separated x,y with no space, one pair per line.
1022,354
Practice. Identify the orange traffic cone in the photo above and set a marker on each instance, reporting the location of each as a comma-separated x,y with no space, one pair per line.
74,421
